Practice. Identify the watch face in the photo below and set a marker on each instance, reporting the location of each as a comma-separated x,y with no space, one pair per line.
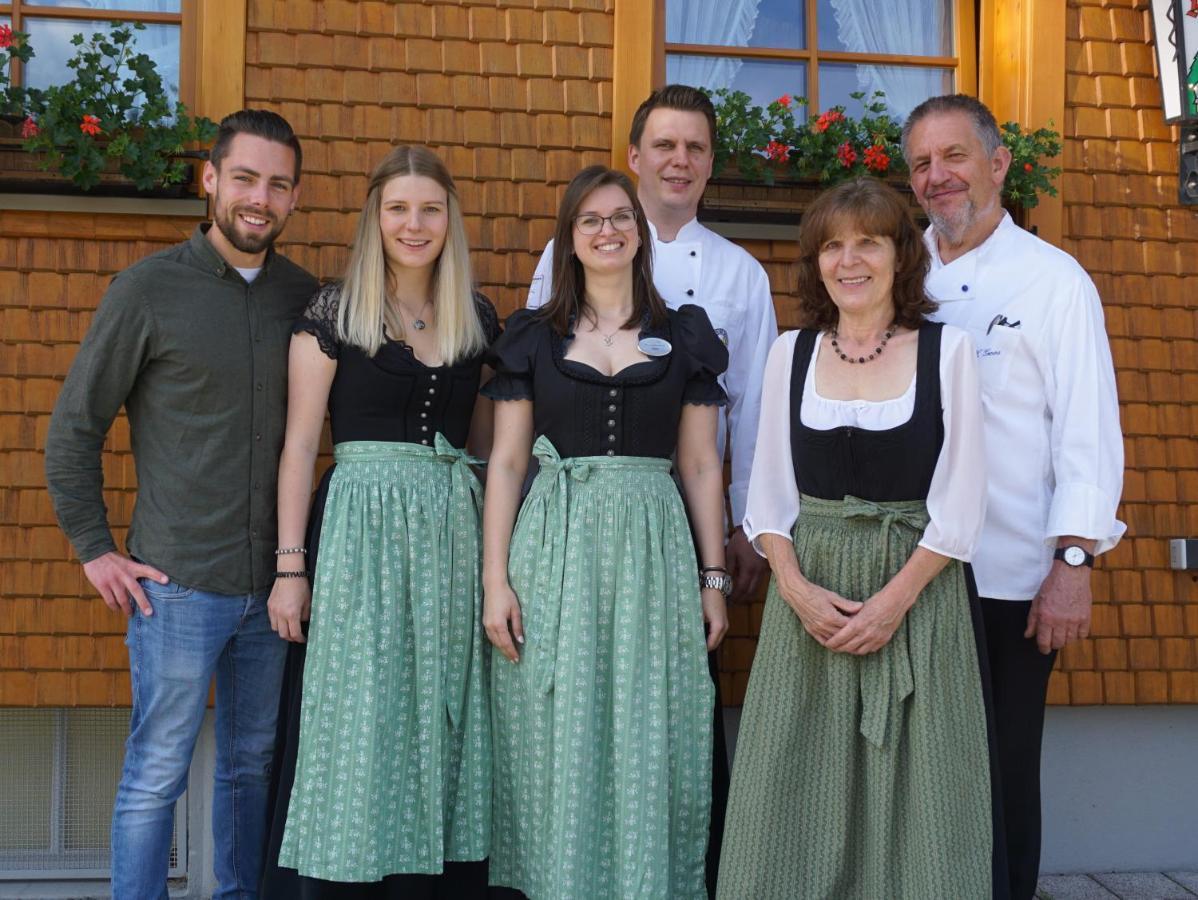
1075,556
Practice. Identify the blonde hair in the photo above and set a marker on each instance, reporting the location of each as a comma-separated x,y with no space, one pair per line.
363,309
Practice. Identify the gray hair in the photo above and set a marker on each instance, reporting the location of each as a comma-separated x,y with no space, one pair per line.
984,124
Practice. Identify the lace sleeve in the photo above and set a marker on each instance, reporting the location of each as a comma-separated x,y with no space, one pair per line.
488,317
319,319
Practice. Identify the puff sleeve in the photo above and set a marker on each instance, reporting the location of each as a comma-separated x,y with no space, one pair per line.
319,319
706,354
511,356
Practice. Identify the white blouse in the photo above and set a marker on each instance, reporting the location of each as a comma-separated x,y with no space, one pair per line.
957,495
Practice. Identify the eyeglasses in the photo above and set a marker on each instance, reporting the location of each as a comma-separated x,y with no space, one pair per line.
621,220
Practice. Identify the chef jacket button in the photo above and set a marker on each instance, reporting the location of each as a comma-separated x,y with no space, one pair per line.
693,253
690,292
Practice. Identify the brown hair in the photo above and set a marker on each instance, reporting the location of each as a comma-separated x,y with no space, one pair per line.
874,208
261,123
682,97
569,279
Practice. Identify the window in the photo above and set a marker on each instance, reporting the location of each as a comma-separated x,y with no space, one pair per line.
824,50
59,770
50,25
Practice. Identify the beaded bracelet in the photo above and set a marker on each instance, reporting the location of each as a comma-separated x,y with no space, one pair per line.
283,551
293,574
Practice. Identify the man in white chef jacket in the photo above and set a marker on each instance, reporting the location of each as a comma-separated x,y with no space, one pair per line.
1053,443
671,150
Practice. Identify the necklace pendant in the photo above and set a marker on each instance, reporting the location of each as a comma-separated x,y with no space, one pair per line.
608,340
419,324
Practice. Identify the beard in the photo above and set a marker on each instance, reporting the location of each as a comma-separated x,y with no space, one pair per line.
952,227
226,220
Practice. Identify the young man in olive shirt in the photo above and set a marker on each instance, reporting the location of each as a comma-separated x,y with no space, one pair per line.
193,342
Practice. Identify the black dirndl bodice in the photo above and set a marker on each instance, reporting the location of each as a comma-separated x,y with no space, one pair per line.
892,464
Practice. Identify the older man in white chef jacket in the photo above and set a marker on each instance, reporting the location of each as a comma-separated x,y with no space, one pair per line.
671,150
1053,443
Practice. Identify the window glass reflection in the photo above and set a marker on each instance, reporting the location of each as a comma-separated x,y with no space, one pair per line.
737,23
51,38
762,81
905,86
165,6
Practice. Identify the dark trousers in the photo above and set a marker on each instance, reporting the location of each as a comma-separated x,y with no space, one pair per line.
1019,678
719,780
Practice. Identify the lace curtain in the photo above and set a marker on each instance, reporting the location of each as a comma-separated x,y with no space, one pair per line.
912,27
724,22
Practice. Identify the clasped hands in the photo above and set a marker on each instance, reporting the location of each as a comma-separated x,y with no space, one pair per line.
842,625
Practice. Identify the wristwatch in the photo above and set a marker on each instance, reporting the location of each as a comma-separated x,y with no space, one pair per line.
1074,556
720,580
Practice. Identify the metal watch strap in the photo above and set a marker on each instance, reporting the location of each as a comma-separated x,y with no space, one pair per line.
722,583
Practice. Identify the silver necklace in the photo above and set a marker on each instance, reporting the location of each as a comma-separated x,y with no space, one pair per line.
417,322
889,333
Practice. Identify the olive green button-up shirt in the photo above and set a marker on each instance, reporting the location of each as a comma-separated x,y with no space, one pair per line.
198,358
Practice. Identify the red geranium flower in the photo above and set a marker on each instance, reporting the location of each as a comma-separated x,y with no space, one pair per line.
29,128
5,37
828,118
776,151
90,126
1027,167
846,154
876,158
784,100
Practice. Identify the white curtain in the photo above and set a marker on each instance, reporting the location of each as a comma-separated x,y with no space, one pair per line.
913,27
723,22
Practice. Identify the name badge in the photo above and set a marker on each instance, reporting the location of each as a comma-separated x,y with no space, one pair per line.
652,346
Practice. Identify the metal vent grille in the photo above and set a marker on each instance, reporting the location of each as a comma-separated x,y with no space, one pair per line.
59,770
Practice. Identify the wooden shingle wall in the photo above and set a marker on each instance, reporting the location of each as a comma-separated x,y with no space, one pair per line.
1123,224
517,97
59,644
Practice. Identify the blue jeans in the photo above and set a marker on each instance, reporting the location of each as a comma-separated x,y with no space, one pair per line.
173,655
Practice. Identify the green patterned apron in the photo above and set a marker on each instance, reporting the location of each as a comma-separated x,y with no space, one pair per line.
603,729
394,766
862,776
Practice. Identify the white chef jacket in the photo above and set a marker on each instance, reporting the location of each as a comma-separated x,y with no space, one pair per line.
701,267
957,494
1053,443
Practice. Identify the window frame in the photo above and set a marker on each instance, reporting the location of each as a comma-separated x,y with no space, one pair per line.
186,19
963,64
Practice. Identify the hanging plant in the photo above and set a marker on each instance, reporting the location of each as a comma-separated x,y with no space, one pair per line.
14,99
115,111
767,143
